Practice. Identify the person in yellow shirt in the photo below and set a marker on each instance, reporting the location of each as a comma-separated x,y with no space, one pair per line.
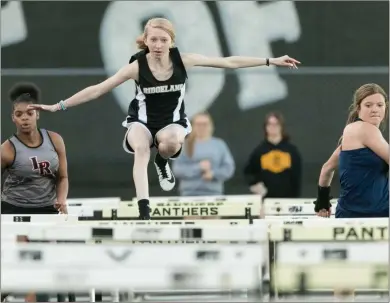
274,167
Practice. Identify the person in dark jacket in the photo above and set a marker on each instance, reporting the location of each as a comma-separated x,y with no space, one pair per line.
274,167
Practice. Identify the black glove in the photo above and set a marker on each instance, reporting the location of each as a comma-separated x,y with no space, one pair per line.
323,199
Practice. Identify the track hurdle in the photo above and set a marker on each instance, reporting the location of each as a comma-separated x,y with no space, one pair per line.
221,210
110,268
194,232
163,208
167,206
321,257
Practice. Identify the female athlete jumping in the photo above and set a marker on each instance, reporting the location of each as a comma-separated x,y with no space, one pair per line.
156,115
363,160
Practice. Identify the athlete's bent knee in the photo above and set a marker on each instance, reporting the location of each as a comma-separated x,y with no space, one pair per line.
172,139
141,148
167,150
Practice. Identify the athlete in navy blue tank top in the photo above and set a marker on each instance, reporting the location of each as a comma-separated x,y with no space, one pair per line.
156,115
364,184
363,161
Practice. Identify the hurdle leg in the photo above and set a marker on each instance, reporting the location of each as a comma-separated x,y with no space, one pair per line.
127,296
43,297
98,296
115,296
130,296
60,298
71,297
92,295
123,297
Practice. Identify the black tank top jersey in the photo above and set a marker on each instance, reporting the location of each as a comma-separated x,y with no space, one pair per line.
158,103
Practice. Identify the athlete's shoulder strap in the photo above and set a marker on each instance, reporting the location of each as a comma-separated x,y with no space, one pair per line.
47,138
12,140
175,55
138,55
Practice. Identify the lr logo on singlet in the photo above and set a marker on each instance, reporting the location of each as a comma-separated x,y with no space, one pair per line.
42,166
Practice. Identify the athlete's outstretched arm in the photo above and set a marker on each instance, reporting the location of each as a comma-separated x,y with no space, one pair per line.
191,60
127,72
372,138
327,170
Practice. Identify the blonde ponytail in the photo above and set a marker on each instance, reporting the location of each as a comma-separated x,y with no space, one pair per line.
141,42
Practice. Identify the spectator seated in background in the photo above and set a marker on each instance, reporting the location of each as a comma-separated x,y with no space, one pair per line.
206,162
274,166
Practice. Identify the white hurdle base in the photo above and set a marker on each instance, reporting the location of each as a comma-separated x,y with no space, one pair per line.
106,279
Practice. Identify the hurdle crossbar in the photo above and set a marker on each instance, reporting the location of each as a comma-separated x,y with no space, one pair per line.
72,219
82,267
249,233
334,230
221,210
200,200
224,210
168,206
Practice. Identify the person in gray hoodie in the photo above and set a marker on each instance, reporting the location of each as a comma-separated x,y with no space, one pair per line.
206,162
